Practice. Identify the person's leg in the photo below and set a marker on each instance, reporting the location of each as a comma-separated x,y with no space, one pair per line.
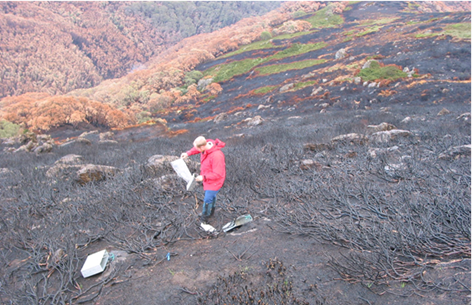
209,203
213,206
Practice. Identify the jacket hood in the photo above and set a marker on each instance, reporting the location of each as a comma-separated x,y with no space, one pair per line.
217,145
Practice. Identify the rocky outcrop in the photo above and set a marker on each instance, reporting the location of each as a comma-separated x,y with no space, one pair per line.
95,173
257,120
30,142
387,136
380,127
350,138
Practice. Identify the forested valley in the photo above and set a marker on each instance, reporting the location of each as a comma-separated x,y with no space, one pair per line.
56,47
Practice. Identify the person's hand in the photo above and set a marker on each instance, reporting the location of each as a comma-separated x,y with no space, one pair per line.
184,155
199,178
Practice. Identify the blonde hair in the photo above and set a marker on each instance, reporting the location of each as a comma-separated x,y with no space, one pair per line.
200,141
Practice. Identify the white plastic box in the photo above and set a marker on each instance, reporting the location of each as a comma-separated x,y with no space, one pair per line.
95,263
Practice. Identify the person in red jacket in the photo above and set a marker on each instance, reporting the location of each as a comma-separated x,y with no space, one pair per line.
212,171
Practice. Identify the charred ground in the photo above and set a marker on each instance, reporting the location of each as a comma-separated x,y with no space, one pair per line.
354,221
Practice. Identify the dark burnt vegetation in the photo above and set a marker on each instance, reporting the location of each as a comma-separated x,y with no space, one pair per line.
398,217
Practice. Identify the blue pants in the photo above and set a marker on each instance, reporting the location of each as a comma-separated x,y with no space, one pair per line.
209,202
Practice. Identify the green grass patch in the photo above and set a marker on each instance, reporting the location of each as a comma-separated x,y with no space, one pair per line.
208,98
259,45
376,72
8,129
297,49
272,69
425,35
293,35
264,90
322,20
369,31
354,66
460,30
302,85
225,72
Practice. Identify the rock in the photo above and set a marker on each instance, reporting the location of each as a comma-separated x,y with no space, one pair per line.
203,83
63,171
375,152
310,164
95,173
10,141
45,148
257,120
352,138
380,127
92,136
70,159
443,112
456,152
340,53
393,169
20,149
406,120
44,138
286,87
316,91
357,80
308,75
106,136
27,137
84,141
323,111
220,117
387,136
465,117
324,105
261,106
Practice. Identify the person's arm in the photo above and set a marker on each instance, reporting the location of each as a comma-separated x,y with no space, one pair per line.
192,151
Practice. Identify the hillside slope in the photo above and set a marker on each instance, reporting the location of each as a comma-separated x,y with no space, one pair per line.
56,47
348,141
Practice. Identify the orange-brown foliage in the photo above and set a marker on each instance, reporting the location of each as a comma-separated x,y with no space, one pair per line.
387,93
42,112
214,89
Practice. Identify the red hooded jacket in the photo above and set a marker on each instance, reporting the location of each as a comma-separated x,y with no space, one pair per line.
212,165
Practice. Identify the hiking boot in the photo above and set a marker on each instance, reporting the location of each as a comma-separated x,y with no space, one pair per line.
204,219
